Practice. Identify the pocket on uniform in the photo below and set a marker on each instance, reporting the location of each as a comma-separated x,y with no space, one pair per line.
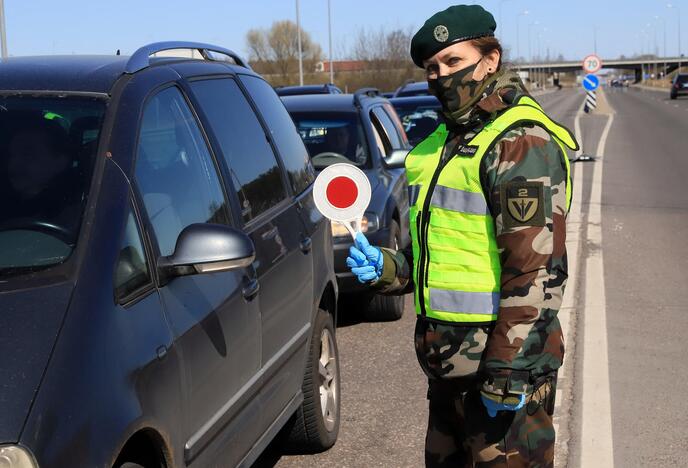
449,351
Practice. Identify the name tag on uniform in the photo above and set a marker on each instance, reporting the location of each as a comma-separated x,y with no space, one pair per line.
463,150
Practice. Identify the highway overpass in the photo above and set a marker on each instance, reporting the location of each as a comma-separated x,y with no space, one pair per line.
640,66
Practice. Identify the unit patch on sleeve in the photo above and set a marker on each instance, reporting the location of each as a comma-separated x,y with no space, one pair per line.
522,204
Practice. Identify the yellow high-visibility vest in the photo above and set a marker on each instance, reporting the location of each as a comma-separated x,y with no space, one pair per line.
456,259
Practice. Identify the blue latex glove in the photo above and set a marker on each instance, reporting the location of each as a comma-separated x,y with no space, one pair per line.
492,406
364,260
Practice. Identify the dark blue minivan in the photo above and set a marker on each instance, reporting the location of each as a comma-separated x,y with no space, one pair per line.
167,289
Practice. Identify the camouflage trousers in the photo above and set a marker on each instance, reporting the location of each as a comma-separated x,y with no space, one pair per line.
462,434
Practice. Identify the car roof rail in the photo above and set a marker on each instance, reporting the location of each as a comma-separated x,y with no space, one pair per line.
365,92
141,58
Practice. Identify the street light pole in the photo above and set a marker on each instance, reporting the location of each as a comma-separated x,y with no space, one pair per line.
659,18
530,51
678,10
500,24
3,34
298,35
518,38
329,28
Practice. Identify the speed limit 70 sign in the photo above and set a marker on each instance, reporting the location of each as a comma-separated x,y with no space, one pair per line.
592,64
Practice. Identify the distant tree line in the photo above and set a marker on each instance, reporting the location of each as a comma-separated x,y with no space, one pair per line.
273,53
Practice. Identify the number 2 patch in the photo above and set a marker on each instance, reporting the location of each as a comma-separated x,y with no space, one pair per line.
523,204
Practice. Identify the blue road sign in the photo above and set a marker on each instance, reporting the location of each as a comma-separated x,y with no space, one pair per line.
591,82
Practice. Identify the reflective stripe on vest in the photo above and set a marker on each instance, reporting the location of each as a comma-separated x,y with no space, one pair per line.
456,258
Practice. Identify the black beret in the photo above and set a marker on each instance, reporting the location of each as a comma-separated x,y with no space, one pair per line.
455,24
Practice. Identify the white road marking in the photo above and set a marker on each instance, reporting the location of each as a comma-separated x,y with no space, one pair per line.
568,312
596,433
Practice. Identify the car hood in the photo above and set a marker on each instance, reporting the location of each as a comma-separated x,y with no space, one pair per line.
29,324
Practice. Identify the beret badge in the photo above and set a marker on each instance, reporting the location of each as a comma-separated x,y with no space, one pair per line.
441,33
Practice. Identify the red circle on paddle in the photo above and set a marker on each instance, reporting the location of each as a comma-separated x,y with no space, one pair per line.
342,192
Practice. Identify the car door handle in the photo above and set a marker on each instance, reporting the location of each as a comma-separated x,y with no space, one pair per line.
306,245
250,290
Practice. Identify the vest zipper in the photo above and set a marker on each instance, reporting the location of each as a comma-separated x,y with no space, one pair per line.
424,260
427,249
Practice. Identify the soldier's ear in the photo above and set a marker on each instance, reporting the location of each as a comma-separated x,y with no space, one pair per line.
492,60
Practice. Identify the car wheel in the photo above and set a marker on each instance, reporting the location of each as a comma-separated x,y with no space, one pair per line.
387,308
672,96
315,425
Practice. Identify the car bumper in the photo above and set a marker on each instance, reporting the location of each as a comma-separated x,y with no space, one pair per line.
347,281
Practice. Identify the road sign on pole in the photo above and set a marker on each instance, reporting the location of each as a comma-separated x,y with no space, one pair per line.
591,82
342,193
592,63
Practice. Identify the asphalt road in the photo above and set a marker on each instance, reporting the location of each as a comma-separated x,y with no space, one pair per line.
644,205
644,232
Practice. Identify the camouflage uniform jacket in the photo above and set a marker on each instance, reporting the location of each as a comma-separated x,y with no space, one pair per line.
526,340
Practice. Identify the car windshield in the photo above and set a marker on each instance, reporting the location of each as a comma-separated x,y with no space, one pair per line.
332,137
47,149
418,122
682,79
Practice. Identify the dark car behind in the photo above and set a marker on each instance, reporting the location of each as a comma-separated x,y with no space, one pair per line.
420,116
164,301
412,88
679,85
327,88
361,129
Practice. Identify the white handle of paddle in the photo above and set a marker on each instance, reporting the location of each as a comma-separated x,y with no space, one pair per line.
354,226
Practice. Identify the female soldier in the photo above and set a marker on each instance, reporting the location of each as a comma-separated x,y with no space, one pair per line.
489,194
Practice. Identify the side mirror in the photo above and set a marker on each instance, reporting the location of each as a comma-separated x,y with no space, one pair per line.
207,248
396,159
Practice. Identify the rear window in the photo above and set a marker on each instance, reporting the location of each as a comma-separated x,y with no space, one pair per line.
332,137
418,122
47,153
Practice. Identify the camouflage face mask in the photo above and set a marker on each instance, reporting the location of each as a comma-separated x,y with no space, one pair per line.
459,92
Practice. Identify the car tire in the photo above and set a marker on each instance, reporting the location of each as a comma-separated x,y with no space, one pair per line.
315,426
382,308
672,96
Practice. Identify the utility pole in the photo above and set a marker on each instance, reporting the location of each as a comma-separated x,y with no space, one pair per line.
298,35
3,33
329,28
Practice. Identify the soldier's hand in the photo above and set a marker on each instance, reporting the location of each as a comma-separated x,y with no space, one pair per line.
364,260
494,403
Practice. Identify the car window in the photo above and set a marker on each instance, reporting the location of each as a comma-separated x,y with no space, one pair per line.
289,144
392,114
381,142
332,137
387,127
247,152
419,121
175,172
47,154
681,79
131,273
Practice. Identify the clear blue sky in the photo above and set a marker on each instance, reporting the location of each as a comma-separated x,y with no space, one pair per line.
565,26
